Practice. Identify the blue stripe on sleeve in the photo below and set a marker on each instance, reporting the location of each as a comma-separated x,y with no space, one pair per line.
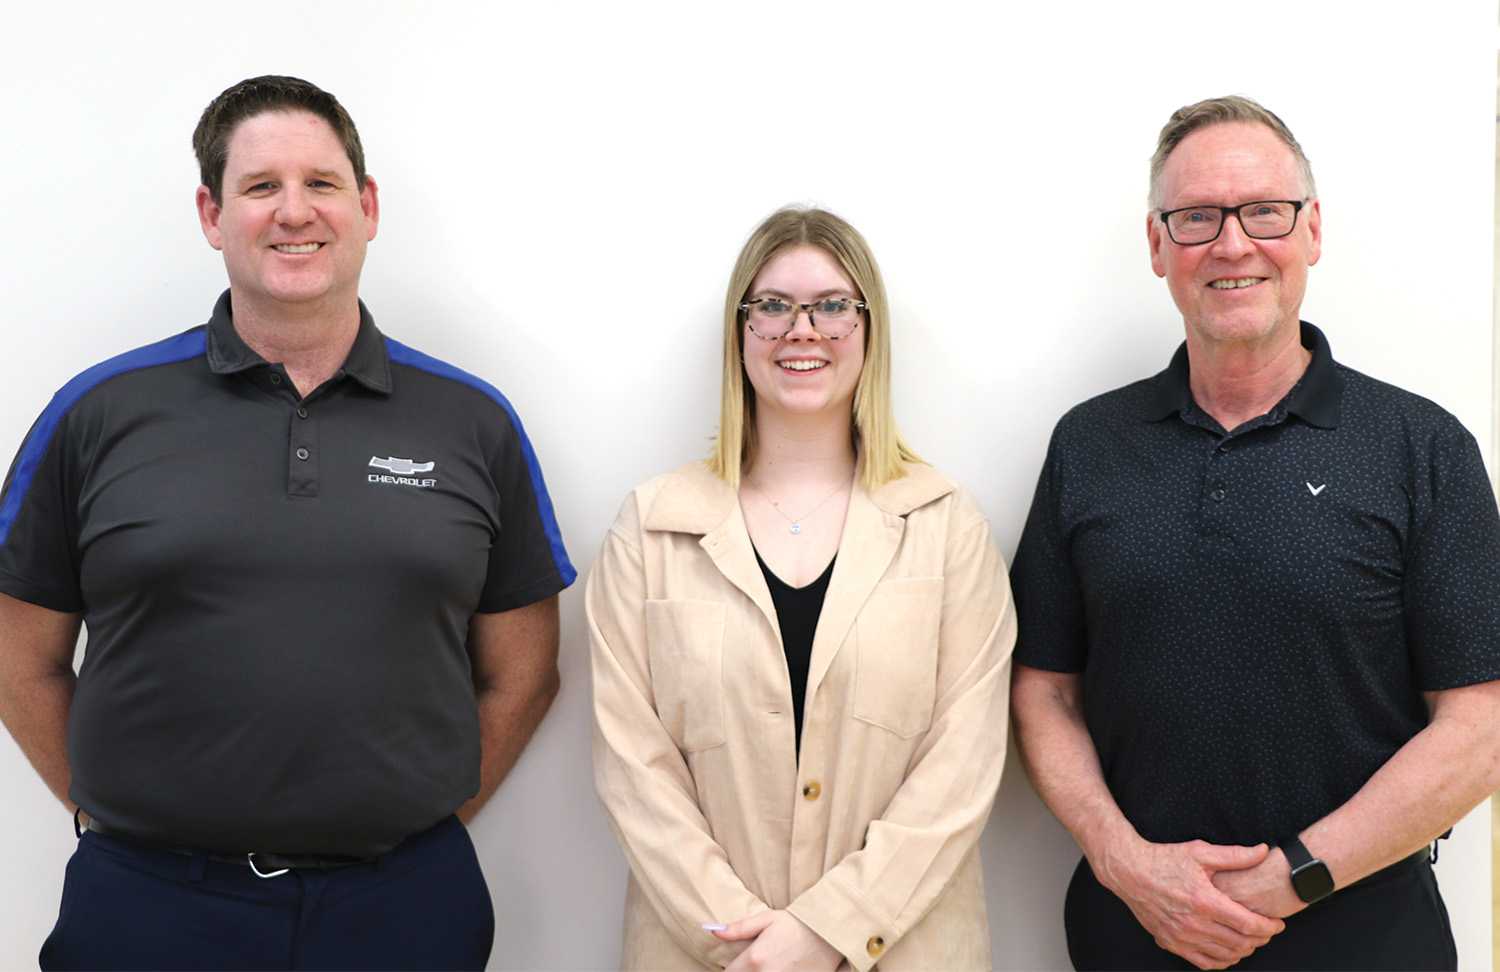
188,344
403,355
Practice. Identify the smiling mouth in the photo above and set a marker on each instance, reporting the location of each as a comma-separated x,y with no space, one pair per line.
801,366
1236,283
297,247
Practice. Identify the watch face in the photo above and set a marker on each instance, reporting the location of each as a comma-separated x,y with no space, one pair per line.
1312,881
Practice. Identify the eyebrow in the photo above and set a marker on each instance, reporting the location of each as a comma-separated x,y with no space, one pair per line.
840,291
263,174
1269,196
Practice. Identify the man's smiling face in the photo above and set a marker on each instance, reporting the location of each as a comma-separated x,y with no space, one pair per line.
292,223
1235,289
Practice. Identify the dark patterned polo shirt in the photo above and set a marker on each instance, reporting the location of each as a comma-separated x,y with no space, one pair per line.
1256,614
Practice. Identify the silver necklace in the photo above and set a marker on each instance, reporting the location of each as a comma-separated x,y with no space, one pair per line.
796,521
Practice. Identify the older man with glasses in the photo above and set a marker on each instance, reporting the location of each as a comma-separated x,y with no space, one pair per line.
1259,600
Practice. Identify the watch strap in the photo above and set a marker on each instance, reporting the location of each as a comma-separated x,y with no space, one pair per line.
1297,854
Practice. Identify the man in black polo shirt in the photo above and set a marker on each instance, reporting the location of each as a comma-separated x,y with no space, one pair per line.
319,573
1259,599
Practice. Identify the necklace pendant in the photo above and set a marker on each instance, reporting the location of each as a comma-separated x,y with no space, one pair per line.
796,528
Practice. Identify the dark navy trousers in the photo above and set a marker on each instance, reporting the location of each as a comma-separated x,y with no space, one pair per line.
424,905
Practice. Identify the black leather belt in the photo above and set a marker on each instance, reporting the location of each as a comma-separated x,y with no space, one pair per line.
263,864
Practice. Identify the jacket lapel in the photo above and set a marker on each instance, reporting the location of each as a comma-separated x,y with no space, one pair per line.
695,501
728,545
871,538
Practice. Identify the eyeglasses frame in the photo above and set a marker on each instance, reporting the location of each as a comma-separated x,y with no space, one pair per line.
1226,211
798,309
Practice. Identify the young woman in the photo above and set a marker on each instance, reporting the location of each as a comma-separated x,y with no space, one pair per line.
801,653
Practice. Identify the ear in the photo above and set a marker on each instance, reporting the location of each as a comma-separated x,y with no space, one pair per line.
1315,230
1156,238
208,217
369,201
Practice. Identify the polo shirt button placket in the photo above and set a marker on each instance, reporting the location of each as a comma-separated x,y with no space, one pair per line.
302,441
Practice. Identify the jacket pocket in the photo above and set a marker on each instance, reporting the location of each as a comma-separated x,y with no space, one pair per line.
895,674
686,641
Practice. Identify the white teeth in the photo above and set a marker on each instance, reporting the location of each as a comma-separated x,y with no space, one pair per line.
297,247
1235,283
802,365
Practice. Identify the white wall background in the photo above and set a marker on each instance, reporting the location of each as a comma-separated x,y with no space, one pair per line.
565,187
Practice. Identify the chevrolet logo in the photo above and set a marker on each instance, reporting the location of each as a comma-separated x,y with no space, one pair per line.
401,467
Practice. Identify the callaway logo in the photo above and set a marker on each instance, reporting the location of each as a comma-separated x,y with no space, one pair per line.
401,470
1315,490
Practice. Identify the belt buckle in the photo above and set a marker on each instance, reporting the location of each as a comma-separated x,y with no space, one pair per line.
250,859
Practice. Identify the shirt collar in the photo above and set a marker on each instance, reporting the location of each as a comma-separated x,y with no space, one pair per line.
367,363
1316,398
695,500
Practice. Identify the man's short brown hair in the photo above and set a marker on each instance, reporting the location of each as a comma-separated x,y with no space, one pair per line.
254,96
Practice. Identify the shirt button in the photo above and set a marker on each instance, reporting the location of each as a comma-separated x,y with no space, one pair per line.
1218,495
1223,450
302,413
303,454
812,791
875,946
275,378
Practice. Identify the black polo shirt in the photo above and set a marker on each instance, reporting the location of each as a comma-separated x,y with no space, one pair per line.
277,591
1256,614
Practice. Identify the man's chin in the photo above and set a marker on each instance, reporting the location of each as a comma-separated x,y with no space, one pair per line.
1237,328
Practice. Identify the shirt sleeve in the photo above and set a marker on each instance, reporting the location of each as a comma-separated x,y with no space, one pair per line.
931,826
642,779
1452,583
528,561
1052,632
39,520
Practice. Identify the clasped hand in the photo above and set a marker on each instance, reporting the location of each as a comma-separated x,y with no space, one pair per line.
1204,901
781,942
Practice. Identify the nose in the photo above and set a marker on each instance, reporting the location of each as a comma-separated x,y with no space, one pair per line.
294,208
1232,241
800,331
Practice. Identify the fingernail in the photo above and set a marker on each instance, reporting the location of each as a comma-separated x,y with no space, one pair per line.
713,926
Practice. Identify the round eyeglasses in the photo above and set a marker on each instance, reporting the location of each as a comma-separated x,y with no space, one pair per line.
772,317
1265,219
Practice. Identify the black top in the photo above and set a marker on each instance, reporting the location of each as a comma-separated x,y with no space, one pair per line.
277,591
1256,614
797,611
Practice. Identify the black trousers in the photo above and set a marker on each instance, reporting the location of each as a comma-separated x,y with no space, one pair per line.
424,905
1393,920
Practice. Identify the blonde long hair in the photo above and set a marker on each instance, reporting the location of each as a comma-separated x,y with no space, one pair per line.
873,427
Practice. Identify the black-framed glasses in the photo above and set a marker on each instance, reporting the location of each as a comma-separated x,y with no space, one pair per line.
772,317
1264,219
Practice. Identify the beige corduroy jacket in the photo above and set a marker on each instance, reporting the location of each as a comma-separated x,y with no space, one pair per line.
872,841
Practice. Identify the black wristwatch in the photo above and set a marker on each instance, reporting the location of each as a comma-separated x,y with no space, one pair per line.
1310,877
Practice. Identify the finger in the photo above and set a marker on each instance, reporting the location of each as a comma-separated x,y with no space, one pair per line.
1228,857
1208,955
1235,917
1222,940
745,928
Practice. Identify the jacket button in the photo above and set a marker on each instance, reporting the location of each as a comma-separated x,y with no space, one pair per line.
875,946
812,790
